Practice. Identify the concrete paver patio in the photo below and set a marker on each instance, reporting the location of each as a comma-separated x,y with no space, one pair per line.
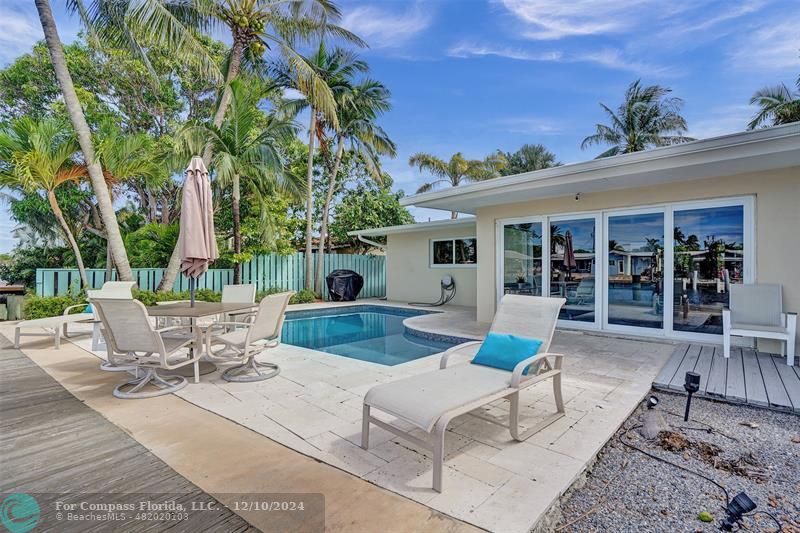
491,481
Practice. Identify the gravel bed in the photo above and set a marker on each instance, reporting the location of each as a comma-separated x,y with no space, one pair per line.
626,491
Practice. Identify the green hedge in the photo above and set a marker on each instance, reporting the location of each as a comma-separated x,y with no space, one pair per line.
39,307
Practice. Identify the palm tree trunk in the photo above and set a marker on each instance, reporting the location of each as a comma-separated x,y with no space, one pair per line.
453,215
237,230
309,281
171,272
109,263
84,139
51,197
326,208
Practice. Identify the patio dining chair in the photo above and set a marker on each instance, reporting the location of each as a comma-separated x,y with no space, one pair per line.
429,401
245,293
122,290
136,343
757,311
241,342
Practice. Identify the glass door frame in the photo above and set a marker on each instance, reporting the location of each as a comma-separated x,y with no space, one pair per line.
601,266
545,221
667,298
598,268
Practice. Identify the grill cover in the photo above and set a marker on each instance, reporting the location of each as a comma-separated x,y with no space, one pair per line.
344,285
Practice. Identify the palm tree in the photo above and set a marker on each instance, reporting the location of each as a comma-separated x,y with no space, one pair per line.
336,69
528,158
40,156
358,109
245,147
777,105
456,171
647,118
557,238
81,127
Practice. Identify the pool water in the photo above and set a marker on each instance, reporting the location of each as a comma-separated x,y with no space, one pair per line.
369,333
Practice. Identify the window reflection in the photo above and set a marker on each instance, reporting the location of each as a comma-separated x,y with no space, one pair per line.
635,270
572,267
709,256
522,259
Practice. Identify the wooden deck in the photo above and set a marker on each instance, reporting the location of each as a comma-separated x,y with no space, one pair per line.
751,377
52,445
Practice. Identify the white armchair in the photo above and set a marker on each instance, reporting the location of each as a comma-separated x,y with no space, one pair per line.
757,311
132,337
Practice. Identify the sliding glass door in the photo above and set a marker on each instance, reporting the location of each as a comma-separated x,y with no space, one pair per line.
709,256
522,258
662,270
573,266
635,273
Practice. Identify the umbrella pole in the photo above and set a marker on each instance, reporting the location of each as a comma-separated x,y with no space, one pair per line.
192,282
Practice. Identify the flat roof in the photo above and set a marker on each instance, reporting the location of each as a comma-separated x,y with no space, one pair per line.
410,228
749,151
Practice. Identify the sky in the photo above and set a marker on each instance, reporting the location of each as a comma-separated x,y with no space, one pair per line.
473,76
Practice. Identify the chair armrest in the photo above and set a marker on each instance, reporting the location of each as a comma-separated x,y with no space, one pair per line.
446,355
76,306
172,328
516,375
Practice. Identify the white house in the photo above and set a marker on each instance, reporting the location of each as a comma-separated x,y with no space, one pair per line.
658,235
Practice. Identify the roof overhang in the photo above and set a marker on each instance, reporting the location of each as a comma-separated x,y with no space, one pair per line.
751,151
411,228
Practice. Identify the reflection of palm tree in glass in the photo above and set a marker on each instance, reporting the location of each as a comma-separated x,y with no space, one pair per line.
657,250
678,236
556,238
614,246
692,243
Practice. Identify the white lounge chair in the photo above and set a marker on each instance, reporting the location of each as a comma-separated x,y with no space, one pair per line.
430,401
241,342
757,311
131,335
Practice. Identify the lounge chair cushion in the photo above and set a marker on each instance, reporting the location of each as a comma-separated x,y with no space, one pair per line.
422,399
504,351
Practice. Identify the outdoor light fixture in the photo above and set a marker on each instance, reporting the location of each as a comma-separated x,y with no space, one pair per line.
739,505
652,401
692,385
577,197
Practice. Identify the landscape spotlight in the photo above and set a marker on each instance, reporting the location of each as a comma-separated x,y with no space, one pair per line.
692,385
739,505
652,401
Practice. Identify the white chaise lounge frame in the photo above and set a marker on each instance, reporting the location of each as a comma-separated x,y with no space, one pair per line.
511,318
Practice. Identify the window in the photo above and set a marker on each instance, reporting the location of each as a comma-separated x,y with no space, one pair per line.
454,252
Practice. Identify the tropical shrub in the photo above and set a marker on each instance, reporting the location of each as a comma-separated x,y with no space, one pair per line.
39,307
304,296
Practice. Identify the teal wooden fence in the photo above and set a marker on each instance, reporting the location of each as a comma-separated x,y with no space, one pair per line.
266,271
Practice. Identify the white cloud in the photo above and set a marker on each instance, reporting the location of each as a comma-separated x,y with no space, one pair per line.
721,120
555,19
608,57
775,46
386,29
530,125
18,33
467,49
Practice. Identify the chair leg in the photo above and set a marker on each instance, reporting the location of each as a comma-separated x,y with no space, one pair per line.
437,438
130,390
365,427
197,371
58,337
790,350
726,346
557,393
16,337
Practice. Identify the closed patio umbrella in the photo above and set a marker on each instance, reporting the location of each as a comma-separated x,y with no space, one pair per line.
198,245
569,254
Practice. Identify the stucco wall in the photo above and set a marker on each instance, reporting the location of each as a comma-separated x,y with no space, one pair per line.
777,221
409,276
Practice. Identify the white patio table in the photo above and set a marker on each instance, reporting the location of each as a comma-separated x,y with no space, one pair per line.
199,310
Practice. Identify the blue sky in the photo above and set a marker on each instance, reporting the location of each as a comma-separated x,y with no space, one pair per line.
474,76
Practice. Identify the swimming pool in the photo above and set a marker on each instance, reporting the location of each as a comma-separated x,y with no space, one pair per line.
371,333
